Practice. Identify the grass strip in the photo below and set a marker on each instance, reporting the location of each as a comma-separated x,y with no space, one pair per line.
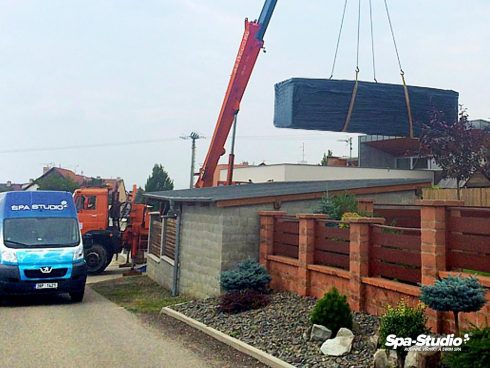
137,294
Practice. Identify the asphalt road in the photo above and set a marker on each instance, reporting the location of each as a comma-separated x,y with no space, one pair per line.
52,332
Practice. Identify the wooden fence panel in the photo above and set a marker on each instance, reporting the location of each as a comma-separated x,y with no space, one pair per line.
331,245
286,237
395,254
170,238
469,240
399,216
479,197
155,241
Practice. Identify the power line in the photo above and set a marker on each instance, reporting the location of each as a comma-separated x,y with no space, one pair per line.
90,145
148,141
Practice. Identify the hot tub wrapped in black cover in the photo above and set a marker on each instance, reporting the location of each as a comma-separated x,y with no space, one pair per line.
380,108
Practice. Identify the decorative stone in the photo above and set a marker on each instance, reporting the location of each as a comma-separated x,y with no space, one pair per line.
320,333
385,359
374,340
345,332
340,345
422,359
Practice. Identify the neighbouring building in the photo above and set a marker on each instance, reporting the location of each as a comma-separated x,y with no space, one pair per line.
302,172
59,172
10,187
205,231
114,185
379,151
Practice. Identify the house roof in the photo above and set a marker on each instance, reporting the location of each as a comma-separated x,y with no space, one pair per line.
281,189
67,174
78,179
8,187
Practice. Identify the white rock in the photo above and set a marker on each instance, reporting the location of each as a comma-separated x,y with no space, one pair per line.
342,344
320,333
385,359
374,340
422,359
344,332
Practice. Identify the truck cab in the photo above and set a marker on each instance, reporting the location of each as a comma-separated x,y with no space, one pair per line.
99,221
41,248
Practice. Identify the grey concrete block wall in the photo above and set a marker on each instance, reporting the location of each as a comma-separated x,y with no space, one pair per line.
200,250
160,271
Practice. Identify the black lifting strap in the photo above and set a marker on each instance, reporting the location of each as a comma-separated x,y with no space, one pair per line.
402,73
356,83
352,102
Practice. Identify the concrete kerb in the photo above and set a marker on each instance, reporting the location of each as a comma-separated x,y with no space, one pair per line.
236,344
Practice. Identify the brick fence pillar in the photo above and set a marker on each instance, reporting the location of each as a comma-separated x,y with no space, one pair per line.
307,224
433,223
359,258
267,220
365,206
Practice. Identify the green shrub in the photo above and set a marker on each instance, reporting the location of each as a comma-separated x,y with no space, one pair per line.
243,300
474,354
245,275
332,311
454,294
403,321
337,205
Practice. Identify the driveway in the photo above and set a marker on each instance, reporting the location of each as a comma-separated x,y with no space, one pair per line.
52,332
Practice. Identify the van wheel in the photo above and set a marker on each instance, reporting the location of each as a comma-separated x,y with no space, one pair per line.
77,297
96,259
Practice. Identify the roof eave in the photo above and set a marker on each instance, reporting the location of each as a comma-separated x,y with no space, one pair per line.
179,199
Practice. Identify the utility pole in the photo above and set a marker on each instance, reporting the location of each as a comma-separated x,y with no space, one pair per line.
349,142
303,161
194,137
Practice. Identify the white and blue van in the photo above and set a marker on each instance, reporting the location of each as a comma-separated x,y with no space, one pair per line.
41,250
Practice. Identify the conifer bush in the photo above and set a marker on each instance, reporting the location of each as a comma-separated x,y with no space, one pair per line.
248,274
475,353
246,287
403,321
454,294
332,311
243,300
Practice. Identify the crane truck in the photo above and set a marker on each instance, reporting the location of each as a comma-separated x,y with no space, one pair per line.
108,225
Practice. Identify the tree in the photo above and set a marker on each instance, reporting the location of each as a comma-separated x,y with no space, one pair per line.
57,182
457,148
139,195
158,180
454,294
324,161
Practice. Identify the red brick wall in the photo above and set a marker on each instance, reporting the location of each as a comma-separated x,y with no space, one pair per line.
284,276
322,281
378,297
364,292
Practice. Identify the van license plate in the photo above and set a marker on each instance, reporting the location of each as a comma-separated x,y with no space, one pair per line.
47,285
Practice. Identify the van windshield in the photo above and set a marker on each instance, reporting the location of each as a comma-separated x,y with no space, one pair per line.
40,232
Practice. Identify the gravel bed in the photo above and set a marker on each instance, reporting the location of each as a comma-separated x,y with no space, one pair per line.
278,329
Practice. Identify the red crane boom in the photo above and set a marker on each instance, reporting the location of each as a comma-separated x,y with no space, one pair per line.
252,43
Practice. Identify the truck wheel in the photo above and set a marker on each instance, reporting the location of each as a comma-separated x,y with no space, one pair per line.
77,297
96,259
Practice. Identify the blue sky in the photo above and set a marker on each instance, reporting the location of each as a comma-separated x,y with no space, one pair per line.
95,72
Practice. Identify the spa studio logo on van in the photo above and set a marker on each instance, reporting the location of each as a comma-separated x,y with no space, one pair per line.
40,207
